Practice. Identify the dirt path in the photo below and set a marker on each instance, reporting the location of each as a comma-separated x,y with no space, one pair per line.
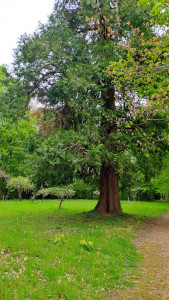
153,242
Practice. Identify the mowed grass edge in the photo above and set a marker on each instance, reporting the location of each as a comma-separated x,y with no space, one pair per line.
46,253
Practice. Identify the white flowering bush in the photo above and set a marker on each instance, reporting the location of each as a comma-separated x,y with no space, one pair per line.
61,193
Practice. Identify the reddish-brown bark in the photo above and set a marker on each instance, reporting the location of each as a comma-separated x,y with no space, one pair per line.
109,202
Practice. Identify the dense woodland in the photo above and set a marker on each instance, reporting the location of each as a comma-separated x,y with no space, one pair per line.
98,72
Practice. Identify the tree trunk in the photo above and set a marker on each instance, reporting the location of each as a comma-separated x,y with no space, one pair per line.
19,195
109,202
61,201
33,198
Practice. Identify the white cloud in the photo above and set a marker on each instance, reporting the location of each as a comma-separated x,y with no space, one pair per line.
18,17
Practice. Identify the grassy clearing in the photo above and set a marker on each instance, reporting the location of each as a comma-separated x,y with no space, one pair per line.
43,253
145,209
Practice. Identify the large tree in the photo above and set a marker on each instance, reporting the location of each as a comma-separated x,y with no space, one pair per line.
64,65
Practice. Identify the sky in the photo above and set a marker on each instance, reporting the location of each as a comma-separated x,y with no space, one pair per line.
16,18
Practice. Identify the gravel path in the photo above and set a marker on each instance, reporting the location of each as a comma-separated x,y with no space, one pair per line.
153,242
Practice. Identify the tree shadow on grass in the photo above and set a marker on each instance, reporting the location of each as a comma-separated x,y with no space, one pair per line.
91,217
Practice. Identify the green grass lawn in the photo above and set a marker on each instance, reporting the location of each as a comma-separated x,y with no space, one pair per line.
45,254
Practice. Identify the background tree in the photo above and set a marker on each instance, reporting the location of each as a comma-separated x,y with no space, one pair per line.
131,176
14,144
161,180
13,97
16,126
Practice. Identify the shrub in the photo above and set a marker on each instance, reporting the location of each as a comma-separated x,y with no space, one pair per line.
20,184
83,190
60,193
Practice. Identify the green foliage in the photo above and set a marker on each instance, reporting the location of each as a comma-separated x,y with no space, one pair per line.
49,164
161,180
3,175
14,144
144,73
131,175
20,184
147,192
62,57
159,10
57,192
13,97
145,69
83,190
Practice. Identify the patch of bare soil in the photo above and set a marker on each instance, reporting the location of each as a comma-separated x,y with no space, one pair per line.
153,241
